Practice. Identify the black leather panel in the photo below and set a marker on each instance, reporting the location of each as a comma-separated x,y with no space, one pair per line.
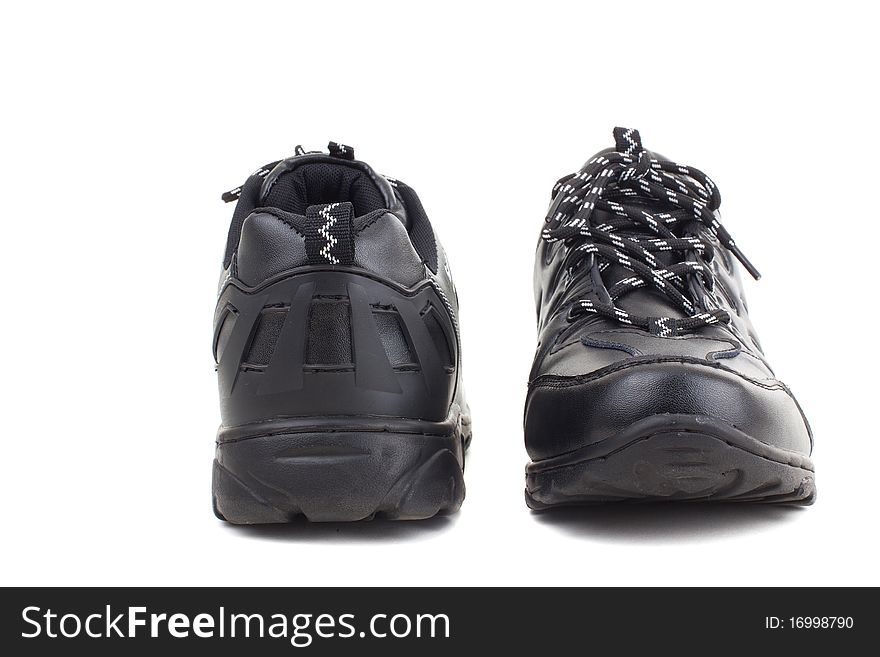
383,247
591,345
443,277
268,246
566,414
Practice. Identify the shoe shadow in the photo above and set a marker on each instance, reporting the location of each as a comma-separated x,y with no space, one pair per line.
664,522
365,531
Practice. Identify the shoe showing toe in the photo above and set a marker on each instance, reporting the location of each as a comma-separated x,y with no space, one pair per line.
337,350
649,383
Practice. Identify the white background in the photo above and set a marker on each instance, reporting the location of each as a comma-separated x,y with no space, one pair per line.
121,126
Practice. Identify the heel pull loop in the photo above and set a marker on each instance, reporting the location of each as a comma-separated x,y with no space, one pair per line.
329,235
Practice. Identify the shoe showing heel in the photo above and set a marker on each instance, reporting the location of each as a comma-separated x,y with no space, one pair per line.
337,350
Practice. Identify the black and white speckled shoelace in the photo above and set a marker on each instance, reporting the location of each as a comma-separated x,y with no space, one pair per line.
655,206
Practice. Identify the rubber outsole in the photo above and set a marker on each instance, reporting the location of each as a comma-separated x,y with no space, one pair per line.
339,474
668,458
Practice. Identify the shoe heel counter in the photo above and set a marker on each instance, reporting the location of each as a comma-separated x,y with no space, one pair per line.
269,245
334,342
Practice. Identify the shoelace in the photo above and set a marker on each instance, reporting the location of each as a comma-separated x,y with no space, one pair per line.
627,184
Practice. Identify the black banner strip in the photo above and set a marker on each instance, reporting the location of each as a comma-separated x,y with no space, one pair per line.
443,621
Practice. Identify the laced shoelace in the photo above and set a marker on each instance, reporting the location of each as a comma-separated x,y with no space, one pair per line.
628,185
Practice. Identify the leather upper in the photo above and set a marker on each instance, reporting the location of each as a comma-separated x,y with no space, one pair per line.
386,299
593,376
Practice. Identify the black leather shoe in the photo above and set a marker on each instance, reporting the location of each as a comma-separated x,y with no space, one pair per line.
649,383
337,350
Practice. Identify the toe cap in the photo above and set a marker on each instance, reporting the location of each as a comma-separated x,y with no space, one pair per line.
567,413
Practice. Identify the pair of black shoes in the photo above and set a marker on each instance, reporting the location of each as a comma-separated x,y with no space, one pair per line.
337,345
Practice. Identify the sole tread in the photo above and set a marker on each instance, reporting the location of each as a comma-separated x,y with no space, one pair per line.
338,477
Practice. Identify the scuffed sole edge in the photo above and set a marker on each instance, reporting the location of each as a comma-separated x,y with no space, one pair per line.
696,460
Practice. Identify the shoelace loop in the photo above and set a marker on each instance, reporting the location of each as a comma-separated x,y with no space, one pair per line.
629,184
